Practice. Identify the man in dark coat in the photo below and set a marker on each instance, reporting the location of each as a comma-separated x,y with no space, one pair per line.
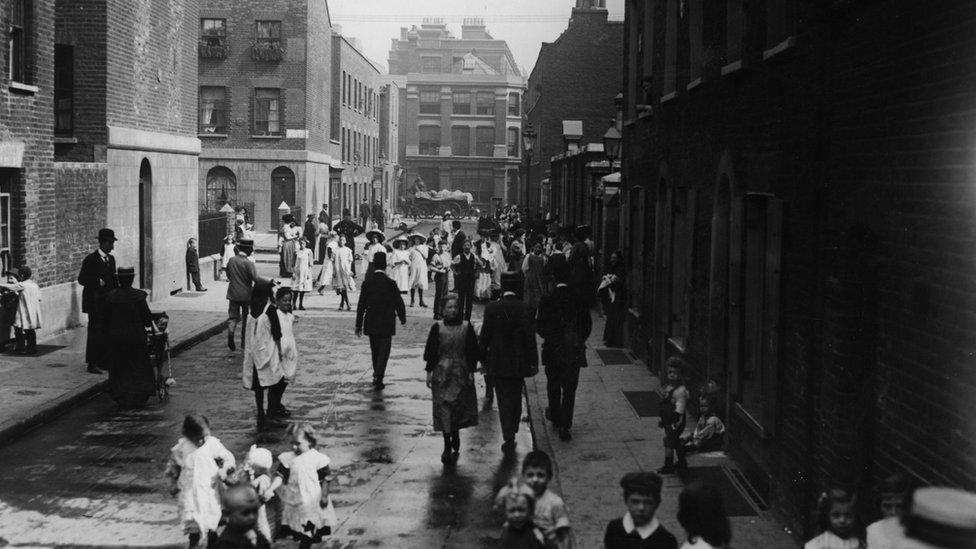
348,228
324,216
310,230
97,277
459,238
581,272
465,266
242,275
508,346
364,211
131,378
378,216
193,267
379,306
564,323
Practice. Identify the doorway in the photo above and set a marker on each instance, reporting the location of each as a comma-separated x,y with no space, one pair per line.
282,190
145,226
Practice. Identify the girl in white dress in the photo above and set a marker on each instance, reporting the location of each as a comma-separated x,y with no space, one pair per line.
418,268
399,265
482,286
308,513
328,264
28,317
301,278
838,517
198,463
343,281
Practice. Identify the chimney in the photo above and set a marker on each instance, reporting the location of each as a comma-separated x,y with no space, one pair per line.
403,33
473,28
591,4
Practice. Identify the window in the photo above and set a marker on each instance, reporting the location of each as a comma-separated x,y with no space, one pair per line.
461,141
430,102
345,145
484,139
267,111
462,102
268,32
430,140
213,32
345,88
513,105
5,238
682,246
355,147
430,65
486,103
479,182
513,142
64,89
19,44
671,48
213,110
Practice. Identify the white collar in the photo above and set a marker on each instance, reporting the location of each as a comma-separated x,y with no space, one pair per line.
102,254
643,531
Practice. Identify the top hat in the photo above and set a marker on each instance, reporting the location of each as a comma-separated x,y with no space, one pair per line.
106,235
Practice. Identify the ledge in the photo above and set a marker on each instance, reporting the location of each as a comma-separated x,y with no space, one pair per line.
203,135
267,137
678,343
750,421
783,46
734,66
645,114
63,140
694,84
669,97
630,122
26,89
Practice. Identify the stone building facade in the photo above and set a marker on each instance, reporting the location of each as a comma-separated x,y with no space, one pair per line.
572,80
391,94
797,206
461,121
356,107
263,114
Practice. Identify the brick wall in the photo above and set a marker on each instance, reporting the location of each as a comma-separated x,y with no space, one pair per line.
82,189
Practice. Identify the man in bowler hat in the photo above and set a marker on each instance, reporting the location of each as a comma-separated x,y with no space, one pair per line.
380,303
97,277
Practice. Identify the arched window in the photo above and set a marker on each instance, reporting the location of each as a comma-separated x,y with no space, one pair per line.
221,189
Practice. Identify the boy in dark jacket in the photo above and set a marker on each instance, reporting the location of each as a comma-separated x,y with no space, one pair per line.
639,529
193,266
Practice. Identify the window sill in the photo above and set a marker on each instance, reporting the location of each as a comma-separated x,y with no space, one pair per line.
678,343
207,134
734,66
267,137
783,46
630,122
26,89
694,84
646,113
751,422
669,97
65,140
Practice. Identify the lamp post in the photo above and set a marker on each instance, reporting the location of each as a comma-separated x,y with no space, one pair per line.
528,145
611,143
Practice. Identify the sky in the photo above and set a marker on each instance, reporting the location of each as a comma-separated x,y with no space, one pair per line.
524,24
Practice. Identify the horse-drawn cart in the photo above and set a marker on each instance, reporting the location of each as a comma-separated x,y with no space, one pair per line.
433,204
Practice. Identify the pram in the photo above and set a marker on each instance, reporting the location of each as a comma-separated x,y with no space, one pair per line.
157,341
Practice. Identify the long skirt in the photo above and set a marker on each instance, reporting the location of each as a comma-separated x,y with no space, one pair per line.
287,263
131,377
457,414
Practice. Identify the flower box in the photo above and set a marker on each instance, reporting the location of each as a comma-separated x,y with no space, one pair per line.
267,51
213,51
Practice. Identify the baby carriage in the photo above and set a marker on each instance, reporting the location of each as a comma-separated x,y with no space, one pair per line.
157,341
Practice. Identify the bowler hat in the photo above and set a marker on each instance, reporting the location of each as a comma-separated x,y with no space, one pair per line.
379,261
245,244
126,271
105,235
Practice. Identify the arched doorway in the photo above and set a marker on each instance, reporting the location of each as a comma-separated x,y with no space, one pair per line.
282,190
221,189
145,226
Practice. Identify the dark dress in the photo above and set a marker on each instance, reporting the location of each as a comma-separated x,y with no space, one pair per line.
131,378
528,537
618,538
452,355
613,332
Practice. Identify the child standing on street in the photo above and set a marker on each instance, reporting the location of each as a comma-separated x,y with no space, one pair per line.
550,511
308,514
193,266
198,462
838,519
28,318
896,492
674,398
241,507
639,527
301,276
519,531
258,467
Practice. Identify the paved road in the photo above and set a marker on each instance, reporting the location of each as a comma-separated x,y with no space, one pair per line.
94,477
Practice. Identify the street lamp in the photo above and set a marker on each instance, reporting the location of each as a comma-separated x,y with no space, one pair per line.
611,142
528,144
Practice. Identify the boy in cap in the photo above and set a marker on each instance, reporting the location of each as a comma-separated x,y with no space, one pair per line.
639,528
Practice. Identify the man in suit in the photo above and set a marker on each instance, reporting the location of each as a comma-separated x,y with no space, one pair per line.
379,306
378,216
364,211
465,267
458,238
97,277
508,346
564,323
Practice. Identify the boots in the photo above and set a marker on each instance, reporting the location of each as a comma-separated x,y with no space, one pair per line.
668,468
230,341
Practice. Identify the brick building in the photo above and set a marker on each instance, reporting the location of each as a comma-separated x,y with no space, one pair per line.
391,94
461,120
264,106
572,81
797,202
356,108
125,130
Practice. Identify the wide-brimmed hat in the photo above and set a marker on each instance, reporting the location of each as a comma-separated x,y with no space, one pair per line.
287,218
374,233
105,235
400,239
448,214
420,237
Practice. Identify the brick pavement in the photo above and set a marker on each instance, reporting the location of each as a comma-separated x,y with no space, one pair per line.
610,439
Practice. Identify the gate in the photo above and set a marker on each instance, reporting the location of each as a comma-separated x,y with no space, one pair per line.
212,230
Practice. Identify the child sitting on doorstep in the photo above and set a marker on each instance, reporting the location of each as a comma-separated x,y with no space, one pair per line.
241,508
28,318
674,398
838,518
520,532
639,529
896,492
708,433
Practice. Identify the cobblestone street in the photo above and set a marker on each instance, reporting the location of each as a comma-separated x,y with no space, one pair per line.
95,476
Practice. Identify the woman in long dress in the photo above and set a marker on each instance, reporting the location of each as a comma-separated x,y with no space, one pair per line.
418,268
343,281
328,263
534,266
131,377
451,355
287,244
399,265
301,279
482,286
